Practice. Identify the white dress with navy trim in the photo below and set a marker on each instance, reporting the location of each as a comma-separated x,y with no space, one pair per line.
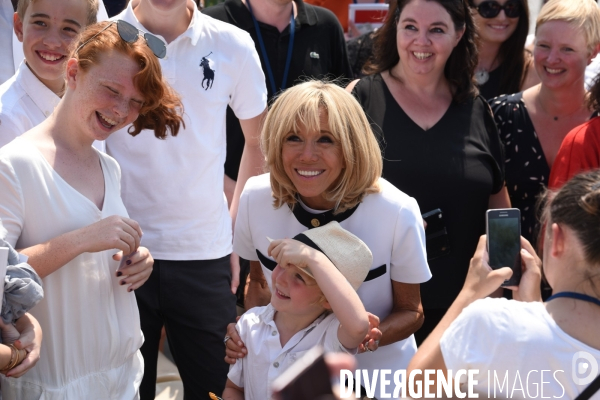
389,222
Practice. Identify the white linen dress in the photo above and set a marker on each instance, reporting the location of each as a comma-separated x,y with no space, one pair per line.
90,323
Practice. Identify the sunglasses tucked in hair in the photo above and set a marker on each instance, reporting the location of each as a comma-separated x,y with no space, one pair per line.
130,34
491,9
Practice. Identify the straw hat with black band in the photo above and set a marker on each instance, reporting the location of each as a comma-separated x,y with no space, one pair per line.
350,255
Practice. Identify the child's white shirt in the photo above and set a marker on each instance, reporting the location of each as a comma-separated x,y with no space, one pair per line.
266,359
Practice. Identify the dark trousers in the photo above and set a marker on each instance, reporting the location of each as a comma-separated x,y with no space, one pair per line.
193,300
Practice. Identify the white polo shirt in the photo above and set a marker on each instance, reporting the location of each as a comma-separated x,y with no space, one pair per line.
7,68
25,102
266,358
174,187
389,222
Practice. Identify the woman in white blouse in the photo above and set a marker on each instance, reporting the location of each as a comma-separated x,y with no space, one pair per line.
60,203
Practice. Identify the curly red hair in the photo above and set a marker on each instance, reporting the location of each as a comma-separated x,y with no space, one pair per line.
162,109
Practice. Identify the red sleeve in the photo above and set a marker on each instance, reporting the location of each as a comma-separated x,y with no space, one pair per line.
579,151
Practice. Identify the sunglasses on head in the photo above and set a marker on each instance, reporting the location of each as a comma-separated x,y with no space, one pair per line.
130,34
491,9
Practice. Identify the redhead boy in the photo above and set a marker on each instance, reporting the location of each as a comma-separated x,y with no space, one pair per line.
317,272
46,28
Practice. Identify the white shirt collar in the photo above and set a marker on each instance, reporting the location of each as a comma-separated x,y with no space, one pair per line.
43,97
267,316
193,31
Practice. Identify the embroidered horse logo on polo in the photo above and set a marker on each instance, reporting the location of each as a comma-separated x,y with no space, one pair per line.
209,74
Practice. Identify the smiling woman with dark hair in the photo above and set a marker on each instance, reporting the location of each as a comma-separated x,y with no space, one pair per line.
60,204
439,141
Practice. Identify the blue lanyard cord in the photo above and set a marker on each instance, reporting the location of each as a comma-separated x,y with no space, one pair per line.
576,296
263,50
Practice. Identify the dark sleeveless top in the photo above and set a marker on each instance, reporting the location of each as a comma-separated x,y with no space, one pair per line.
455,166
491,88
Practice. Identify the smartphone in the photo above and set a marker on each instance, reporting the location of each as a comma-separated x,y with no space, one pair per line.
437,242
503,228
306,379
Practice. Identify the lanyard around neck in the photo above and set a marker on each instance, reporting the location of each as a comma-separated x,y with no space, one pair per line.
263,50
576,296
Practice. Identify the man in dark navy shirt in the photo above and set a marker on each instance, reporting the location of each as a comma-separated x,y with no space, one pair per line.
318,51
113,7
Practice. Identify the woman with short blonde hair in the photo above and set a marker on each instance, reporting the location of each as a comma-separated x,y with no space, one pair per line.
360,149
581,14
325,165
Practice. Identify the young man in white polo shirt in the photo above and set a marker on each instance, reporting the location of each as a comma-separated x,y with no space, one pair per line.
46,28
174,189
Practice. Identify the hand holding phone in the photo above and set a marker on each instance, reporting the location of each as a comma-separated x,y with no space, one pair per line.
503,228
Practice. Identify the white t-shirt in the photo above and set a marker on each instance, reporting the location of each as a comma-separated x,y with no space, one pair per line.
7,68
516,341
25,102
174,187
91,324
266,359
389,222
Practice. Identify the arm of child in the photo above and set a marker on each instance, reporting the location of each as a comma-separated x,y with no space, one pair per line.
341,297
233,391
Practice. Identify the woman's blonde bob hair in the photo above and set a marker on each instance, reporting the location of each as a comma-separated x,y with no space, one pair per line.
584,14
302,105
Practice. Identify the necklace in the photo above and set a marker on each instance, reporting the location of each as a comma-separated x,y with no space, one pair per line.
576,296
481,76
554,116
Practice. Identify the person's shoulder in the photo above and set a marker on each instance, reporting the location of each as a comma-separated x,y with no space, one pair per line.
11,93
18,153
259,184
218,11
506,100
390,200
502,313
111,163
389,194
491,325
582,138
367,85
370,80
589,131
254,317
508,107
324,16
224,32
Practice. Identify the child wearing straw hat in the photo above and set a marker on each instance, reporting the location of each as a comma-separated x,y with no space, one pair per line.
313,302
